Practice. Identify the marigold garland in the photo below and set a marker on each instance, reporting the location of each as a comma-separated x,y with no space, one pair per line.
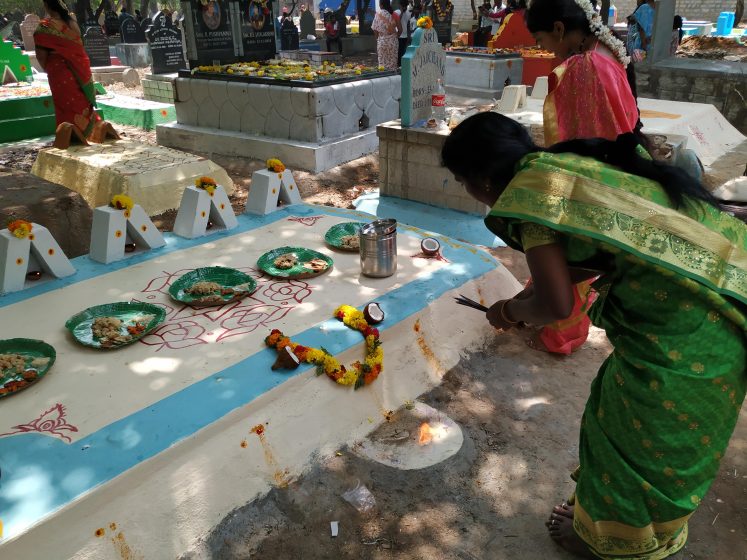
275,165
206,183
20,228
359,373
122,202
425,22
445,11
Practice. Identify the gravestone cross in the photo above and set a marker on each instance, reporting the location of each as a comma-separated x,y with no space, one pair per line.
165,45
423,64
97,46
29,25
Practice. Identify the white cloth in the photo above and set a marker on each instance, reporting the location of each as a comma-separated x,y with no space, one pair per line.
404,18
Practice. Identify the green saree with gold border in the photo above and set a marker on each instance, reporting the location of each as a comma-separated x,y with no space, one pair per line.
672,302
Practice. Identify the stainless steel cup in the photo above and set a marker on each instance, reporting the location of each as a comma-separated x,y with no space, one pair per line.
378,248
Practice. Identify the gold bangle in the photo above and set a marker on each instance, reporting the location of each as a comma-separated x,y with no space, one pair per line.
503,313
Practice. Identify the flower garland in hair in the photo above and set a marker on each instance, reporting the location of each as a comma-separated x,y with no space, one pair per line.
603,33
359,373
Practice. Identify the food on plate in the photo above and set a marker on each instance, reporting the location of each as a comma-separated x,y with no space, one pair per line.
204,288
316,265
350,241
15,363
40,362
286,261
108,330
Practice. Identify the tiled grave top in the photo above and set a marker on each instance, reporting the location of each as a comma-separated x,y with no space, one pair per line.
298,113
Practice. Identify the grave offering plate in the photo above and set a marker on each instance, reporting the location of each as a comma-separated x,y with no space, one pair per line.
136,319
232,285
38,357
335,234
300,263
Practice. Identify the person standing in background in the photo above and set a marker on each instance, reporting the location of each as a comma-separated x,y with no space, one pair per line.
386,27
404,15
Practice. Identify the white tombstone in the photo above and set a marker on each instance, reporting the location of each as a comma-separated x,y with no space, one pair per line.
541,88
39,249
28,26
198,207
269,187
112,229
423,64
512,99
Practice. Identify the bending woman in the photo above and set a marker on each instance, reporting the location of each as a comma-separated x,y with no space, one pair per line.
589,97
59,49
673,274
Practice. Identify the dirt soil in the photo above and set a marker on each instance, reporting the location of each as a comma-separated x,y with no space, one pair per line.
713,48
520,412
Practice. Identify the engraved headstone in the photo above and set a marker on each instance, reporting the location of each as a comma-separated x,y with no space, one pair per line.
111,23
257,31
29,25
132,31
288,36
441,15
97,46
165,45
423,64
208,30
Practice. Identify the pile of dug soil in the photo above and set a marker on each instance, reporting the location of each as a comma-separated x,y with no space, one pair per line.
713,48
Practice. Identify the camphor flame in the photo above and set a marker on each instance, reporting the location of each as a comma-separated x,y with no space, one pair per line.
425,435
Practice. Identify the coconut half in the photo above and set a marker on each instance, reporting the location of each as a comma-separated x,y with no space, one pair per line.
286,359
430,246
373,313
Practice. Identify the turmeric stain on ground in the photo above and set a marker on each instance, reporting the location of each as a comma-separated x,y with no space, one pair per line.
430,357
280,475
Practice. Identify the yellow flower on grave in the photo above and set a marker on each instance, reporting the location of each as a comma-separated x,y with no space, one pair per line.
275,165
425,22
20,228
380,68
260,73
122,202
357,72
206,183
229,71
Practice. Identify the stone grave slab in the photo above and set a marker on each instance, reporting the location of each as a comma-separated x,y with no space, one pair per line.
154,176
97,46
26,111
208,31
29,25
132,31
27,197
166,45
14,65
107,75
159,87
288,36
480,76
142,113
135,55
423,64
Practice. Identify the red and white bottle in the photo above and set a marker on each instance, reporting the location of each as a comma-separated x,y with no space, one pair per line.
438,102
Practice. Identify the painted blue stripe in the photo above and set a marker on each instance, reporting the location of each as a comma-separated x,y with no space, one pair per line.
41,474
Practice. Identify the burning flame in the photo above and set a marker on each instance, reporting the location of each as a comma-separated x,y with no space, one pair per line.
425,435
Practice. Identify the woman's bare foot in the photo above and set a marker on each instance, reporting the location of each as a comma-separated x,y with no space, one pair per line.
561,530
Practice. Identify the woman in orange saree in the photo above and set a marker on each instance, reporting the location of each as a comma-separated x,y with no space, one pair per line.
59,49
589,97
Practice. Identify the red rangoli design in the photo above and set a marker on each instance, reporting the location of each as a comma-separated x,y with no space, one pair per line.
52,422
305,220
438,256
185,326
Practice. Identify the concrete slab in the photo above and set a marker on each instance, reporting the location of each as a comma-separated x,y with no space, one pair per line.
296,154
143,113
127,460
154,176
708,132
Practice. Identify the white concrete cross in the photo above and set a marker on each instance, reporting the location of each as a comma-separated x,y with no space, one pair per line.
37,251
198,207
268,187
112,229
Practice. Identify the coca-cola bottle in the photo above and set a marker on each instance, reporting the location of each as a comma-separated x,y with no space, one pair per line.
438,102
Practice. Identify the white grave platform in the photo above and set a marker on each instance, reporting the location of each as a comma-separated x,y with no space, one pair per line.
154,176
145,448
307,128
481,76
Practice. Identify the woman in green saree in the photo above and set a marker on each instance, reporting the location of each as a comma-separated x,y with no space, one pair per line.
673,302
